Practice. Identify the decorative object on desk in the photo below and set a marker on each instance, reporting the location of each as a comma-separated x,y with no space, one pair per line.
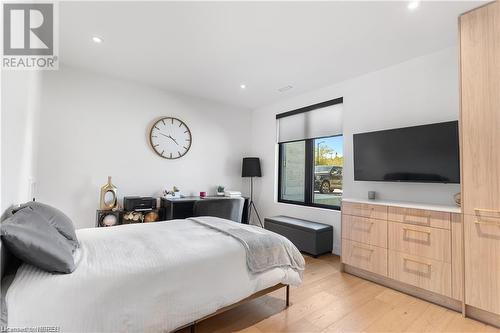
133,217
251,168
108,197
203,194
174,193
151,217
232,194
458,199
170,138
177,192
220,191
107,218
372,195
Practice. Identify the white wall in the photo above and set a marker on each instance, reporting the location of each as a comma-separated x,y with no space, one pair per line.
422,90
19,118
93,126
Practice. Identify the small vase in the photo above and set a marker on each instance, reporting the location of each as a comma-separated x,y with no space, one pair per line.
108,196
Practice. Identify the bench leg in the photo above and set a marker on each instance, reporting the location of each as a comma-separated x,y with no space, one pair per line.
193,328
287,297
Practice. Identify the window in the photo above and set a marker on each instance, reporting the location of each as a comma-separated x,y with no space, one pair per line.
310,163
328,163
293,171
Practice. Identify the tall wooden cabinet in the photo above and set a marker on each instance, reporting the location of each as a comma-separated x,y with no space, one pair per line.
480,155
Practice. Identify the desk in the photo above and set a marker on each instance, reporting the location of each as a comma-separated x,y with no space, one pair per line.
181,208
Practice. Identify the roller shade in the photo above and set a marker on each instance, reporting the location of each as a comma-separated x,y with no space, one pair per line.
314,123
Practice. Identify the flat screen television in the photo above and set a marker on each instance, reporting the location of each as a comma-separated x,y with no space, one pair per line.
427,154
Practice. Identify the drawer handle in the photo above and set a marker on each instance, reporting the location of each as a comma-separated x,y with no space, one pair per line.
477,221
415,230
418,262
363,248
479,210
478,215
405,219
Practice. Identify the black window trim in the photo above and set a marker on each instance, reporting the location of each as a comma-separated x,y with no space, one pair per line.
324,104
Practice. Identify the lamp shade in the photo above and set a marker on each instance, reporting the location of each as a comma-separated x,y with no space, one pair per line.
251,167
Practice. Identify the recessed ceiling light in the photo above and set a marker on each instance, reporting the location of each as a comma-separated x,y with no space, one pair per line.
97,39
243,86
412,5
285,88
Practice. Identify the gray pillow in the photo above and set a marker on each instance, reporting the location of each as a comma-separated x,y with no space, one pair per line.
56,218
7,213
31,238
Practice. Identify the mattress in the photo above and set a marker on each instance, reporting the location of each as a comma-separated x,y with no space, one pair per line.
139,278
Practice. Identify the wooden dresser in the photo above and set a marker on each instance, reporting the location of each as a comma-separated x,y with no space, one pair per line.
413,248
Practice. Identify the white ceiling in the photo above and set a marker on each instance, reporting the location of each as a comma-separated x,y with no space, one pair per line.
208,49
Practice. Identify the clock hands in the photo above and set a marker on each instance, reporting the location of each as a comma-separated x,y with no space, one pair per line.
173,140
170,137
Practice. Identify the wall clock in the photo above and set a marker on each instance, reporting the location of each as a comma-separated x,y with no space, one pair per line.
170,138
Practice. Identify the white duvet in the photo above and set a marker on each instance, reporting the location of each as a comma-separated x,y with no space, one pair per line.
152,277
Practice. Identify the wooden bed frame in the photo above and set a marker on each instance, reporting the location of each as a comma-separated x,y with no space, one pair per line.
249,298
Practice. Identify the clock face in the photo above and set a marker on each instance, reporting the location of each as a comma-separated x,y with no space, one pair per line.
170,138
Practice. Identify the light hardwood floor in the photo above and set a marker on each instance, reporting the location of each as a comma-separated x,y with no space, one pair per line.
331,301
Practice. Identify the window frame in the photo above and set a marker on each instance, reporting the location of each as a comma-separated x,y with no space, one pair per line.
308,174
309,158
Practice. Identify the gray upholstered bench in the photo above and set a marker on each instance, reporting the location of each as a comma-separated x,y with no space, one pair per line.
309,237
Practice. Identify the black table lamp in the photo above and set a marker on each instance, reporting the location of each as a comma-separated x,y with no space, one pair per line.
251,168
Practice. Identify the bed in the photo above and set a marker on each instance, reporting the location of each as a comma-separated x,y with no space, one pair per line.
148,277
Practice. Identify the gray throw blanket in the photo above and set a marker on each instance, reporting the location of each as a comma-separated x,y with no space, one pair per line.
265,249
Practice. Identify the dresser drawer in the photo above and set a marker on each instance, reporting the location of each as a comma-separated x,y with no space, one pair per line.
423,217
421,272
367,257
364,230
365,210
432,243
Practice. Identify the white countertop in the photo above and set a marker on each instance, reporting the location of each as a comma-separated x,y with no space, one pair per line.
416,205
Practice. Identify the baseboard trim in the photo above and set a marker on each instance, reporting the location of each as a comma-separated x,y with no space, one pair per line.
426,295
482,315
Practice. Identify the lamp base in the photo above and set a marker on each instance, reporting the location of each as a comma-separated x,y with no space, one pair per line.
250,206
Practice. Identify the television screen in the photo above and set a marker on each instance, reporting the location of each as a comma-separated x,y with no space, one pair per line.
427,153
